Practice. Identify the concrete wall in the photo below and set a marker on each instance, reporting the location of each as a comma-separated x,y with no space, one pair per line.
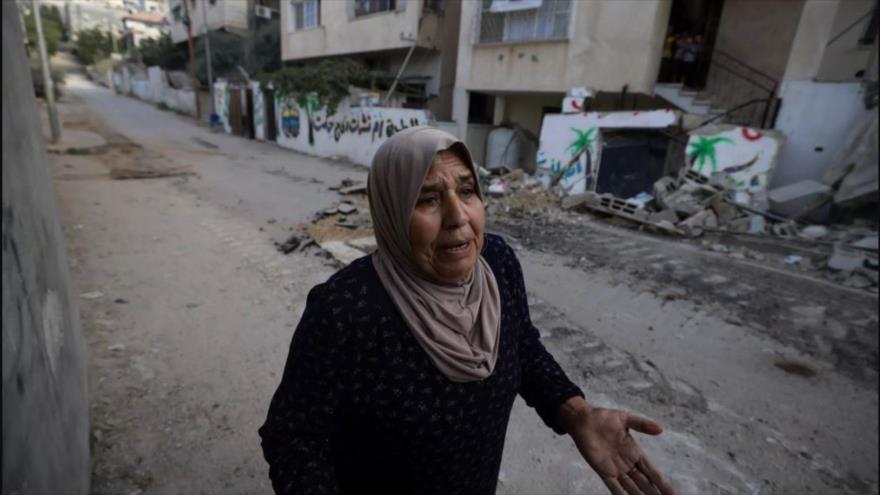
351,133
816,118
339,34
820,22
610,43
760,33
527,110
45,403
845,57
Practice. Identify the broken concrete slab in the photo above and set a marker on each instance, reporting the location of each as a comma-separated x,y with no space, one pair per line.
575,200
868,242
814,232
341,251
793,198
346,208
353,189
365,244
847,259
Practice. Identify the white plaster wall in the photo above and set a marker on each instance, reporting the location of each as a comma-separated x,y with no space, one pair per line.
560,133
351,133
815,118
224,13
747,155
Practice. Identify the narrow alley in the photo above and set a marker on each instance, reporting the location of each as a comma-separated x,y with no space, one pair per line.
764,378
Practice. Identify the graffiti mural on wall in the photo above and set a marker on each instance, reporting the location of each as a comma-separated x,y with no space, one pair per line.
351,132
259,112
221,104
563,136
747,155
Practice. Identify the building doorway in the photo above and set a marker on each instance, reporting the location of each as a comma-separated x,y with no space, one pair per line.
689,42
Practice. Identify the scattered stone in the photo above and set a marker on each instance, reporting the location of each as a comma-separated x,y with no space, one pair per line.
116,347
365,244
720,248
814,232
271,221
120,300
192,305
795,368
846,259
341,251
127,174
857,281
92,295
792,259
737,255
354,189
346,208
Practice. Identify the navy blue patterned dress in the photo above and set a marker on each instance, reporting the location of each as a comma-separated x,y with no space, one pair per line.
361,408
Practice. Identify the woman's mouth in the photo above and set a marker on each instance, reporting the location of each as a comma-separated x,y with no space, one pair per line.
457,248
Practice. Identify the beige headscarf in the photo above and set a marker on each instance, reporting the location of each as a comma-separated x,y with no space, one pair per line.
457,325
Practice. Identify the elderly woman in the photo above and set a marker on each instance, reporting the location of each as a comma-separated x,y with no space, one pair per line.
405,364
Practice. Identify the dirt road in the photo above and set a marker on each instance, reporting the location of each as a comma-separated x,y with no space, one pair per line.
188,311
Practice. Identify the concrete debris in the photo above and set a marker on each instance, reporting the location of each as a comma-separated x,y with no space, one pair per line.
814,232
757,224
365,244
794,198
868,242
792,259
346,208
127,174
355,189
846,259
298,241
341,251
92,295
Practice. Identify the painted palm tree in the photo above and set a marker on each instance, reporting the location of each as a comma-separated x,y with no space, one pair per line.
584,140
703,149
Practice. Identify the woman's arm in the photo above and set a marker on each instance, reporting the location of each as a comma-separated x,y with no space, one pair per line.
303,414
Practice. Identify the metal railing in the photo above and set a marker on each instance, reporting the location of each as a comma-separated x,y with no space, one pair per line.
731,82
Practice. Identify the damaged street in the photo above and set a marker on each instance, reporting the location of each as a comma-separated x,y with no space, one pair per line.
192,274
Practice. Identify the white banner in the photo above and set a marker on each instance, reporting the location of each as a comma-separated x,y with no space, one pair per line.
513,5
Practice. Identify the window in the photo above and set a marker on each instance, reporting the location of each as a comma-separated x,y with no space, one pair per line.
367,7
544,20
303,14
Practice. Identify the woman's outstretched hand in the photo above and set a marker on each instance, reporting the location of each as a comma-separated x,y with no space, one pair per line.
602,437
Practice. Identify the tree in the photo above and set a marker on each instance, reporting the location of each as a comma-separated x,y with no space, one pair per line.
227,53
267,48
93,45
53,28
164,53
328,81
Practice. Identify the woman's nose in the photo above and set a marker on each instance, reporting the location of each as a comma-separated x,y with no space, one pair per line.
454,213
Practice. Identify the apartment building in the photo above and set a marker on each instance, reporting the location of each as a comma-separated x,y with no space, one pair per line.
415,38
215,14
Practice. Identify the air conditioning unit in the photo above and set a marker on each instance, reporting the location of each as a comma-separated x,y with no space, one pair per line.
263,11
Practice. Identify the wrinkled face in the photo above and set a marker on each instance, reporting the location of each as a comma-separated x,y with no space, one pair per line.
446,227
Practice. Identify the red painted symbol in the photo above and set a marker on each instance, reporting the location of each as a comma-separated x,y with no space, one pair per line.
576,104
747,133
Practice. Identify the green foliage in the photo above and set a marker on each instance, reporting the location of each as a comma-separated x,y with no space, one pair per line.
327,81
93,45
164,53
53,28
37,78
267,48
227,53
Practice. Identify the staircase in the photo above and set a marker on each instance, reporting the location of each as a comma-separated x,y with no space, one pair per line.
735,93
693,101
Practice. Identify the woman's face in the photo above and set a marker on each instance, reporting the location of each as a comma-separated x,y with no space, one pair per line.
446,227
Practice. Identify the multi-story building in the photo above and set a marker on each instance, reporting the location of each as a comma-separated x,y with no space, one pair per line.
416,39
140,26
229,15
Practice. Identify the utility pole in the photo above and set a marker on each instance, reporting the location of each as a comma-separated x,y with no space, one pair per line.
208,60
192,60
48,86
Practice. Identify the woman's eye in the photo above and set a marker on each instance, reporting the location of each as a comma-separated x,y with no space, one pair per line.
467,192
429,200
